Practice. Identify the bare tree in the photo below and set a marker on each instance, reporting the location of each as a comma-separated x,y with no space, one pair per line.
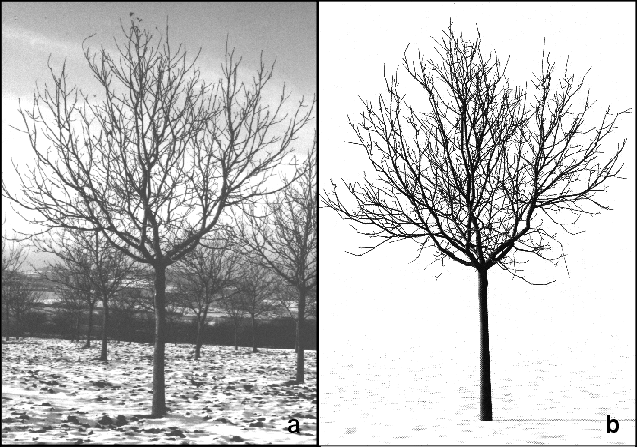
22,298
287,297
153,166
144,299
202,275
75,295
100,270
91,267
284,240
231,303
13,257
131,300
256,287
18,296
472,175
312,303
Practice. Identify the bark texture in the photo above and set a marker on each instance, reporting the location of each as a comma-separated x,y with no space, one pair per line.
104,355
254,335
159,384
90,325
300,358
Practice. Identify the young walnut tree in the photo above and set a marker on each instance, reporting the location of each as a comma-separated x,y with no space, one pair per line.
232,304
13,257
283,238
153,164
256,286
474,172
18,296
202,276
91,267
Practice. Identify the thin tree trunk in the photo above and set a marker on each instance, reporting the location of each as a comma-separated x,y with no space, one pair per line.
198,342
254,332
236,345
486,412
296,336
300,358
77,327
90,324
201,324
104,357
8,322
17,333
20,328
159,384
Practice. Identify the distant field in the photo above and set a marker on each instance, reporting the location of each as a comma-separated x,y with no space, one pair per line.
54,392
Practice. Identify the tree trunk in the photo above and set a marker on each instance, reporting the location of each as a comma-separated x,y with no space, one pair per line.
300,358
159,384
198,342
201,324
104,357
77,327
254,333
8,322
19,330
296,336
236,345
90,324
486,412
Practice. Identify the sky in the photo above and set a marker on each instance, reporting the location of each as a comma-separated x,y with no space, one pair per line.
285,32
381,302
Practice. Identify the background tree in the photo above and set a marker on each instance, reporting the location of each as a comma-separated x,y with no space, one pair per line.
153,166
284,239
76,295
20,299
312,303
232,305
134,298
100,270
287,298
144,300
201,277
256,288
23,299
13,257
473,175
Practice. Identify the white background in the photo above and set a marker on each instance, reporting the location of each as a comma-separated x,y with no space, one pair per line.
380,305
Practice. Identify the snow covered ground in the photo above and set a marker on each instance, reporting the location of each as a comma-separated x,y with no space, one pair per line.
55,392
399,395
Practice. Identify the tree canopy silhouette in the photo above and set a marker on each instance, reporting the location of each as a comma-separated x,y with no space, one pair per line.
474,172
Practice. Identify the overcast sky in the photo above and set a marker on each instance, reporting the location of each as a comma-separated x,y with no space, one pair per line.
285,32
394,304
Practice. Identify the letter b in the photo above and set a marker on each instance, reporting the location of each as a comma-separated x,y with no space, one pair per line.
608,422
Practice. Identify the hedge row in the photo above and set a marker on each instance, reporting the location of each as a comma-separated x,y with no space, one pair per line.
273,333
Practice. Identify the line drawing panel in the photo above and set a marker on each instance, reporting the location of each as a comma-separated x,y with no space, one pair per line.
419,147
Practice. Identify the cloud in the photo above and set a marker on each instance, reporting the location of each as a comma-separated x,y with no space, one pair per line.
37,41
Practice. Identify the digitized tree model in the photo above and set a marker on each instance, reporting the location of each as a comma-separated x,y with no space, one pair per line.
481,172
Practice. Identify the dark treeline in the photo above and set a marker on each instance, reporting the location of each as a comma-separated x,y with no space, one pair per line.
51,321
